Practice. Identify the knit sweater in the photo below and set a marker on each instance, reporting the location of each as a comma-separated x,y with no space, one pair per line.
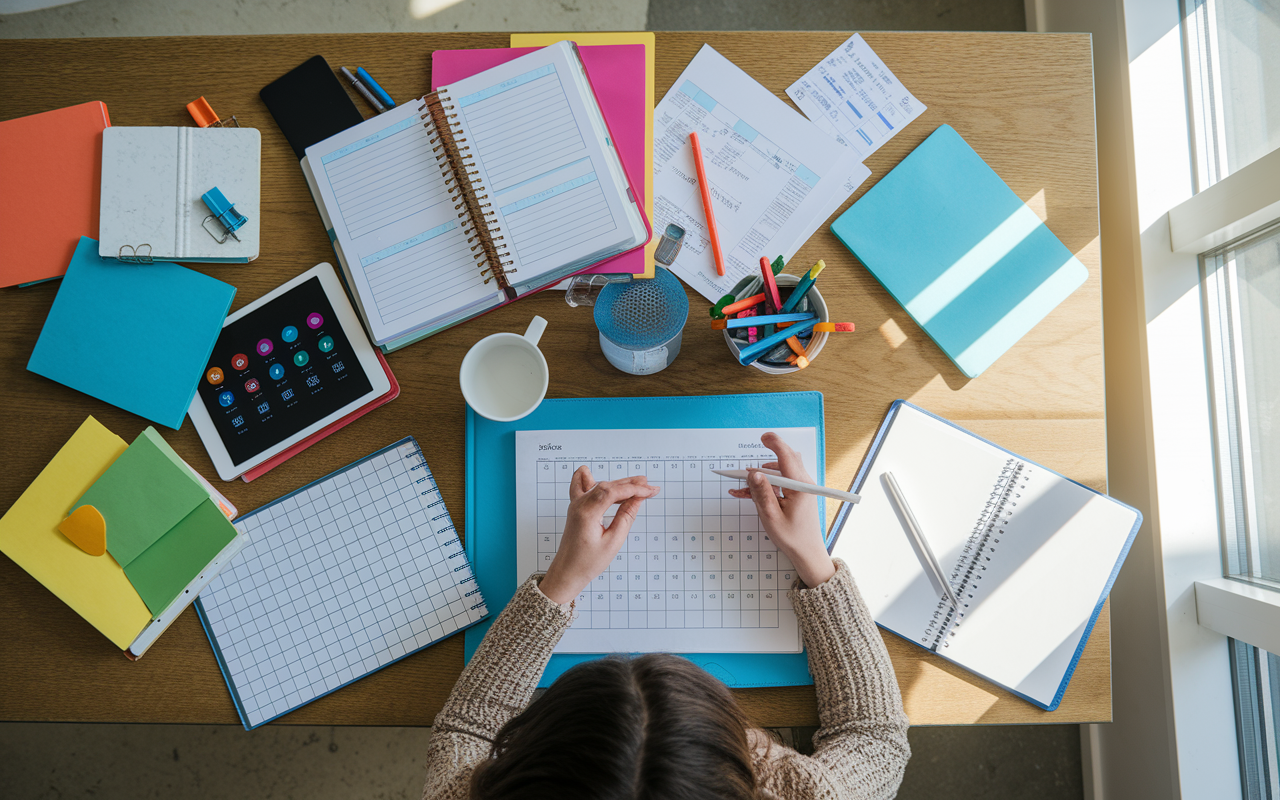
860,750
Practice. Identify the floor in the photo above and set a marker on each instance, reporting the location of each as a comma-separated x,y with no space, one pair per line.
43,760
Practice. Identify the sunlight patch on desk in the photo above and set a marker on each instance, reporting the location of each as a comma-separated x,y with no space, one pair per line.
967,269
421,9
892,333
1037,204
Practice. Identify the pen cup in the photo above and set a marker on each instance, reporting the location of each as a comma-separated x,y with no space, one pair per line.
816,303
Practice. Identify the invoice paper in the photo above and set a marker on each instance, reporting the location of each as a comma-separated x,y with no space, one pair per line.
697,573
775,176
854,97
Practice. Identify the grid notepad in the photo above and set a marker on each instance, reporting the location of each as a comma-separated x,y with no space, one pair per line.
339,579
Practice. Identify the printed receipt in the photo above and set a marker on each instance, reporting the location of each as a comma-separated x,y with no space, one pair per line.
854,97
775,176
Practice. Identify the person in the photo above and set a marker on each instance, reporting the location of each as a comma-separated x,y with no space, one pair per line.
658,726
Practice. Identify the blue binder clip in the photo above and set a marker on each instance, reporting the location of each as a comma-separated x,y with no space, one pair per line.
225,212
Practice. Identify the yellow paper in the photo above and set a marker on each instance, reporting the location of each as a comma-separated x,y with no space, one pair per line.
94,586
636,37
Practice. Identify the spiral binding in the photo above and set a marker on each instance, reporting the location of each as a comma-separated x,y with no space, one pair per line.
965,577
462,180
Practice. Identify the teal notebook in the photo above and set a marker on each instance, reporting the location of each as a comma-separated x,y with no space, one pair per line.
491,518
968,260
137,336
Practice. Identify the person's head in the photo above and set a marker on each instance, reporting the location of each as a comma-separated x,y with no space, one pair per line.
654,727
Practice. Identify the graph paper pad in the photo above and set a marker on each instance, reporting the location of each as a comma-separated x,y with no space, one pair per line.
697,573
339,579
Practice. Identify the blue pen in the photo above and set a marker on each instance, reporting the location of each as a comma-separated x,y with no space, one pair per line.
752,352
373,86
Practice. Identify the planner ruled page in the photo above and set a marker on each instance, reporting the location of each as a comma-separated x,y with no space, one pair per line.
697,573
550,174
406,248
339,579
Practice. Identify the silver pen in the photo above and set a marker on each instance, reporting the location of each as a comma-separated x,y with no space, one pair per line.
364,92
937,577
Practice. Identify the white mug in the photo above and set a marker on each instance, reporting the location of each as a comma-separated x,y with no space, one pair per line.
504,376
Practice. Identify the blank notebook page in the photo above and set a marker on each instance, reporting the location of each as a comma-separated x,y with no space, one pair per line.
339,579
558,196
1030,553
406,247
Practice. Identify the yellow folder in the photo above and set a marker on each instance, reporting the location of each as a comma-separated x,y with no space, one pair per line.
636,37
94,586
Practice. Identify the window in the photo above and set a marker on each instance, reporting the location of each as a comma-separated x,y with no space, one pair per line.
1256,675
1233,62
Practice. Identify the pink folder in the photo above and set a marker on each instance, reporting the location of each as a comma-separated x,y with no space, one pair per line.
617,76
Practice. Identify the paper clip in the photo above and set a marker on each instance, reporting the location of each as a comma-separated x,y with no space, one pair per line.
206,117
137,256
224,211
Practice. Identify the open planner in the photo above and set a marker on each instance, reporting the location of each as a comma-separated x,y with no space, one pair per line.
340,579
486,190
1031,554
697,573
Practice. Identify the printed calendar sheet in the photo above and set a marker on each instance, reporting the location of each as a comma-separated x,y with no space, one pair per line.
697,573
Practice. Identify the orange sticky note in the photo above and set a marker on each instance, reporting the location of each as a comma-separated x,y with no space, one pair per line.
86,529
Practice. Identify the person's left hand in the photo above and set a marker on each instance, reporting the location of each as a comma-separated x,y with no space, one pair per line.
587,547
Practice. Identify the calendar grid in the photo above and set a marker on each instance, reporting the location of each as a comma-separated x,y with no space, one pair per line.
696,573
339,579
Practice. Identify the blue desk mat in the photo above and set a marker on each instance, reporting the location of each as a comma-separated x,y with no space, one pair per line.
491,500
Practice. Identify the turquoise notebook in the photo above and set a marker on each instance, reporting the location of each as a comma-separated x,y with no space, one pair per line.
967,259
491,499
137,336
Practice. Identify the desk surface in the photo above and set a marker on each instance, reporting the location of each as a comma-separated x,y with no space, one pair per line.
1023,101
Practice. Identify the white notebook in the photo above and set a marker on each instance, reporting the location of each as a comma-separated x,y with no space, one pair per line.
152,183
486,190
1031,554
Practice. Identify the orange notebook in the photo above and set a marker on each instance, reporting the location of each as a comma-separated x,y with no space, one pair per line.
50,182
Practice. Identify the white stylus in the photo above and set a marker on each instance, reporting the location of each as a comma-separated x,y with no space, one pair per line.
938,578
776,479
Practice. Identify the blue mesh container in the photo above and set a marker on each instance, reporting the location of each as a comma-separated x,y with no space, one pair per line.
641,322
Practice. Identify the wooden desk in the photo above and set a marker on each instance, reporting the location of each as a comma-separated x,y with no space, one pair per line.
1025,103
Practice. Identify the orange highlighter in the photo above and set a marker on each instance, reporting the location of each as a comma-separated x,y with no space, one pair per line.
705,188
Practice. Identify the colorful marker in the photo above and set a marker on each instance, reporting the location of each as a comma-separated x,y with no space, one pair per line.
827,327
802,288
752,352
746,302
744,322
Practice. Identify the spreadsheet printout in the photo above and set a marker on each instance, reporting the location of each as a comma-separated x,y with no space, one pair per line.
339,579
853,96
697,573
774,176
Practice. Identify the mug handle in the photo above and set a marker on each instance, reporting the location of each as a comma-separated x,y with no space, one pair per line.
534,332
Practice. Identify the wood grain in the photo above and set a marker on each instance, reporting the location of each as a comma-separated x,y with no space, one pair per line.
1023,101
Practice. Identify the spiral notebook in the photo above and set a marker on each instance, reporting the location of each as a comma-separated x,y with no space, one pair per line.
484,191
1031,554
341,578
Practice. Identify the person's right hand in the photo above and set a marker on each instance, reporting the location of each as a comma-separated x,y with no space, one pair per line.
790,520
587,547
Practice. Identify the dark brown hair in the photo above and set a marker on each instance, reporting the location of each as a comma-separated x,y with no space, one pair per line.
657,726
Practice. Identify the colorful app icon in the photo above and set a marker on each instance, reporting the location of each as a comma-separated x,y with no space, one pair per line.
226,398
287,394
325,344
265,347
238,421
214,375
314,320
289,334
276,371
252,385
264,407
301,358
240,361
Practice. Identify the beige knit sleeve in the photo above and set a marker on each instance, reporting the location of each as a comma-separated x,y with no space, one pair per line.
861,749
496,686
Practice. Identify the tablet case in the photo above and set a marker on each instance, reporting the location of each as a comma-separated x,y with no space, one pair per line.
310,104
491,500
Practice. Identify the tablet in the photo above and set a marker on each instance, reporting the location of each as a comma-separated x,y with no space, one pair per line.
284,367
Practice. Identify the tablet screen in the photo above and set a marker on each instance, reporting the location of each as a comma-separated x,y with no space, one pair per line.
279,369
